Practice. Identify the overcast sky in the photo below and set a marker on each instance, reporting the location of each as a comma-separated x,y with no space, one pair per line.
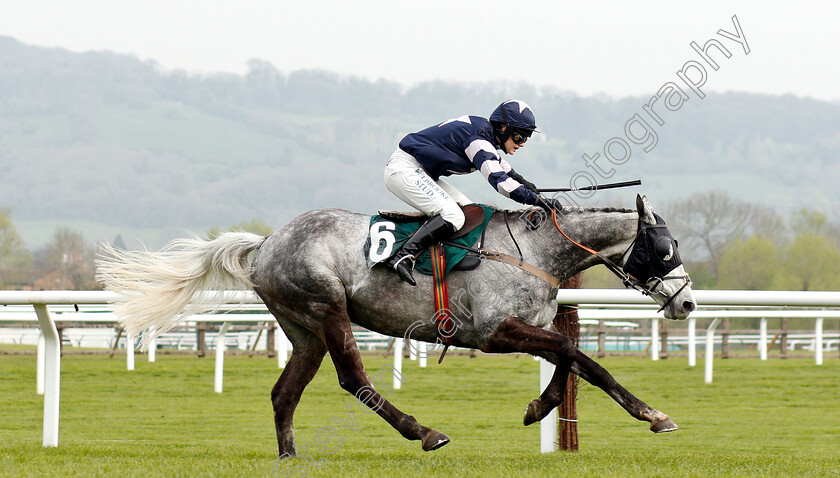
615,48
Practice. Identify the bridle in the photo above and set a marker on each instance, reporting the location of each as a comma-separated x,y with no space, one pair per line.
649,286
646,286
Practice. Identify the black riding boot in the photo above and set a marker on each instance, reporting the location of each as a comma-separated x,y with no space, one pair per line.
434,230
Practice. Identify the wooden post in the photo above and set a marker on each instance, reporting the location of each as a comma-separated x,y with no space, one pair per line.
602,339
260,327
566,322
724,339
272,337
663,338
116,343
783,344
201,334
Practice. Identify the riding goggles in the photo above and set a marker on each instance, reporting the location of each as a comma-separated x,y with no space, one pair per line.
518,138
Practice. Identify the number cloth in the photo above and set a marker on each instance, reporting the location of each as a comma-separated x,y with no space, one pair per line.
388,236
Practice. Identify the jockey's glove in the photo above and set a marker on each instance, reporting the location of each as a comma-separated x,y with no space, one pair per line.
528,184
548,203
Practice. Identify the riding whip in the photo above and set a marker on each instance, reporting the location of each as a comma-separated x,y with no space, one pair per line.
636,182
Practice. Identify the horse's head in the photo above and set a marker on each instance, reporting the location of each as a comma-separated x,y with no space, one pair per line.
654,263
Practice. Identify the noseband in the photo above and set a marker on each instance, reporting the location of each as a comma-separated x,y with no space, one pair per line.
653,276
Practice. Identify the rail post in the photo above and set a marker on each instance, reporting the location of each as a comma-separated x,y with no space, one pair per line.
399,345
762,338
548,425
654,338
692,341
129,351
818,341
152,350
220,357
52,374
421,354
710,348
282,347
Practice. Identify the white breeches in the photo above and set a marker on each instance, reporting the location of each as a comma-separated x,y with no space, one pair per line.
407,179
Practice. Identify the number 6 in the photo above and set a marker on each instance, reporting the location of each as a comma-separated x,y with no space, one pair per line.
379,232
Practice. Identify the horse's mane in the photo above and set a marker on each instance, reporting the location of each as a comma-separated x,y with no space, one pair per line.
569,210
414,216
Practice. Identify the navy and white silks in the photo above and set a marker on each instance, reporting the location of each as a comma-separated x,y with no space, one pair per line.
457,146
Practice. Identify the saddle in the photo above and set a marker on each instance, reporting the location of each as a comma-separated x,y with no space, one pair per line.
474,216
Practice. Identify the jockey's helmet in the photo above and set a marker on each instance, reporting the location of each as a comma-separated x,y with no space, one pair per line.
517,116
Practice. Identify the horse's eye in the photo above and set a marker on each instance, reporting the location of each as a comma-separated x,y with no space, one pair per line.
663,248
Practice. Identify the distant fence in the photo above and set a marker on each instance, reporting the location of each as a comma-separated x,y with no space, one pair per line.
597,305
714,304
606,331
90,329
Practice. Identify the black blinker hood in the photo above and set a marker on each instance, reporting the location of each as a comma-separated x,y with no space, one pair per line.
654,252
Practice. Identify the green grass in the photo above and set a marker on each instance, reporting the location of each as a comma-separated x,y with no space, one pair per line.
774,418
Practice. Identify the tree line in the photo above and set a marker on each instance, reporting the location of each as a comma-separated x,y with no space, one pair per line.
68,260
736,244
730,243
725,242
65,262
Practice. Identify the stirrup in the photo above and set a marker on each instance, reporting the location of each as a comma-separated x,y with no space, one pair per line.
407,256
405,272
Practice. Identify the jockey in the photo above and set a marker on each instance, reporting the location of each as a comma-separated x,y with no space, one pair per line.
458,146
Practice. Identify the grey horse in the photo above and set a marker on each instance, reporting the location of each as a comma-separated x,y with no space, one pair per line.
314,278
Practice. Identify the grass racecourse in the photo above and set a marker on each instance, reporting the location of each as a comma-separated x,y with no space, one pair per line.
774,418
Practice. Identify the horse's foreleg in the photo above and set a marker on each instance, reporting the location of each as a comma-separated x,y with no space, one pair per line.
353,378
513,335
307,354
592,372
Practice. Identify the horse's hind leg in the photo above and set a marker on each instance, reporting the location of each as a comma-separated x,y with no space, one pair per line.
513,335
353,378
307,353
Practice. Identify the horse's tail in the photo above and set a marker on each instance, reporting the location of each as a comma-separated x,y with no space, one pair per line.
156,289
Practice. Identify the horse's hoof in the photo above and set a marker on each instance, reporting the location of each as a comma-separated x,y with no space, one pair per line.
536,411
531,414
434,440
662,426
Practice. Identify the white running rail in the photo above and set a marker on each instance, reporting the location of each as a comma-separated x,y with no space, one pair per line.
598,304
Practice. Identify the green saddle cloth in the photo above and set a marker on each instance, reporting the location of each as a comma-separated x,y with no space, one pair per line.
390,235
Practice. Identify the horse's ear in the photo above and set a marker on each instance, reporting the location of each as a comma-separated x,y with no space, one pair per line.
645,210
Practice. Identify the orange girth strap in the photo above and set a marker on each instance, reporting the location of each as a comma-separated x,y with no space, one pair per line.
443,322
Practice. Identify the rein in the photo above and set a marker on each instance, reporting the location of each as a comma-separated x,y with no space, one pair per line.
625,278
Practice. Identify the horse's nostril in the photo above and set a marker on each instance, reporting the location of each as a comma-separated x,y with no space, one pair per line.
689,305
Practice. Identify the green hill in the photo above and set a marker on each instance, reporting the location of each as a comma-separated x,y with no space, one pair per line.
108,143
